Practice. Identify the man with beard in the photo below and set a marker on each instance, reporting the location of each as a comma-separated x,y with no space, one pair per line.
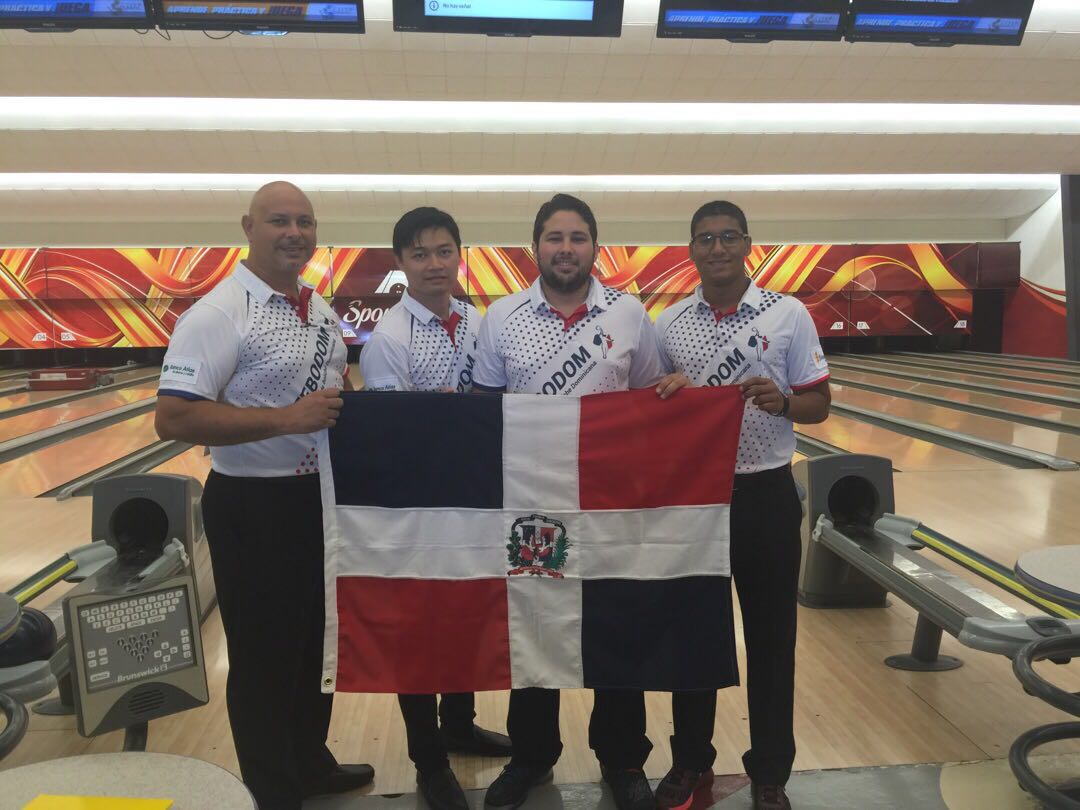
427,342
569,335
253,370
784,379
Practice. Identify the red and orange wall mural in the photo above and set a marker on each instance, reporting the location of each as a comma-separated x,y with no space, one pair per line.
131,297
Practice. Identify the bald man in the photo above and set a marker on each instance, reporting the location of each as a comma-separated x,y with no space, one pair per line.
253,370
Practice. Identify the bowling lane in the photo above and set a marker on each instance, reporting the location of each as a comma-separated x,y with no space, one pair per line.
1012,404
943,377
193,462
1057,364
985,427
57,464
70,411
943,362
908,454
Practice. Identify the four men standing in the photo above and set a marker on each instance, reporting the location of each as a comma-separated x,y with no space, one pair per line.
263,362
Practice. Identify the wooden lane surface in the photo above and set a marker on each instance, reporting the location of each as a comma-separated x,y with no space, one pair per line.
62,412
907,453
851,710
944,377
1044,440
59,463
1016,403
193,462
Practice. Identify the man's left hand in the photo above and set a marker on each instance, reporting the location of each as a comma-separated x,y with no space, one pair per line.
764,394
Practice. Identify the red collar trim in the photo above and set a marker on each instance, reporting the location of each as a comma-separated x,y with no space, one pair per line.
301,305
450,324
573,317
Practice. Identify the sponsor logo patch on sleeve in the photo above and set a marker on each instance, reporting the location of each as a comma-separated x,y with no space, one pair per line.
180,370
818,357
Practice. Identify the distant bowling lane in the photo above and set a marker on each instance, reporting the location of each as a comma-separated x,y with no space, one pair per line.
70,411
29,397
1014,403
943,377
1034,374
907,454
1043,440
57,464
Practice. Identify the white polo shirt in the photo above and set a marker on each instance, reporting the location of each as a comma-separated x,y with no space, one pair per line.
527,347
411,349
245,345
767,335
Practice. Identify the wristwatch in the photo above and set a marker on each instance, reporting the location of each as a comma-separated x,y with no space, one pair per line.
787,404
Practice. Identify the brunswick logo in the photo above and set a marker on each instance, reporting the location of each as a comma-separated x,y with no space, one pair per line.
537,546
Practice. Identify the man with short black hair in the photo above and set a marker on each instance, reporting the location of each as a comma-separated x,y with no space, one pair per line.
253,370
731,332
427,342
569,335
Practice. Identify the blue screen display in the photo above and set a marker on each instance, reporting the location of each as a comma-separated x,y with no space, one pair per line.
258,12
73,9
752,20
566,10
935,24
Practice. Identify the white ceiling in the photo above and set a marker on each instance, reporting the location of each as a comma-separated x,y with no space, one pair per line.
637,67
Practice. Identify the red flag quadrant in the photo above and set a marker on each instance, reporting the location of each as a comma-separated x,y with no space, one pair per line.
494,541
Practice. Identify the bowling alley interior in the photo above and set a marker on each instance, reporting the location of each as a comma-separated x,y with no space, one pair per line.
910,173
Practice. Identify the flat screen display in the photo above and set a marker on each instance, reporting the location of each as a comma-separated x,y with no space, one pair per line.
751,20
222,15
66,14
598,18
939,22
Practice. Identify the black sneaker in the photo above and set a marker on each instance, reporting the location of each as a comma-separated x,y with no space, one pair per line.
676,790
478,741
770,797
511,787
341,779
630,789
441,790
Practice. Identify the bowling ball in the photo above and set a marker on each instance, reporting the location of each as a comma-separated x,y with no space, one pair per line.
33,640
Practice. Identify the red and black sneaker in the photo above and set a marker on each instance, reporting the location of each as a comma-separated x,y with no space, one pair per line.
676,790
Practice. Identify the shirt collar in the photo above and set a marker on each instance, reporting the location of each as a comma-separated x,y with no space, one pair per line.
425,315
259,289
750,298
594,300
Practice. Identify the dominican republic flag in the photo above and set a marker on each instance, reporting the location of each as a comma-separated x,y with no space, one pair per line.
484,541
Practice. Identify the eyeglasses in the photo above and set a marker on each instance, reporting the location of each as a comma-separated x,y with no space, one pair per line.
728,239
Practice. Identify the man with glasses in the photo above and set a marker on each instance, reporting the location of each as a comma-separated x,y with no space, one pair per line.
427,342
732,332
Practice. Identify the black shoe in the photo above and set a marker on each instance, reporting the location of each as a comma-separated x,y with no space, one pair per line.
478,741
341,779
511,787
441,790
770,797
676,790
630,788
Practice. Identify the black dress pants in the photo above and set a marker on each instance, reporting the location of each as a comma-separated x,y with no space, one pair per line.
456,712
266,544
765,554
616,728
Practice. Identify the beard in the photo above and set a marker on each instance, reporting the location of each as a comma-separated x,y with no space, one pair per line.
565,284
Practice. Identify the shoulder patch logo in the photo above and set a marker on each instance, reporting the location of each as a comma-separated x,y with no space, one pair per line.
537,546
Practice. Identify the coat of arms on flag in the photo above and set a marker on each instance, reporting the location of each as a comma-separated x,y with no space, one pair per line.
480,541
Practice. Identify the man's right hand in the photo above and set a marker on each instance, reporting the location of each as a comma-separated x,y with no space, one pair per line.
316,411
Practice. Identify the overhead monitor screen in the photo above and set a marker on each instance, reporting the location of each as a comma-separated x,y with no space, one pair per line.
222,15
511,17
751,20
65,14
939,22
